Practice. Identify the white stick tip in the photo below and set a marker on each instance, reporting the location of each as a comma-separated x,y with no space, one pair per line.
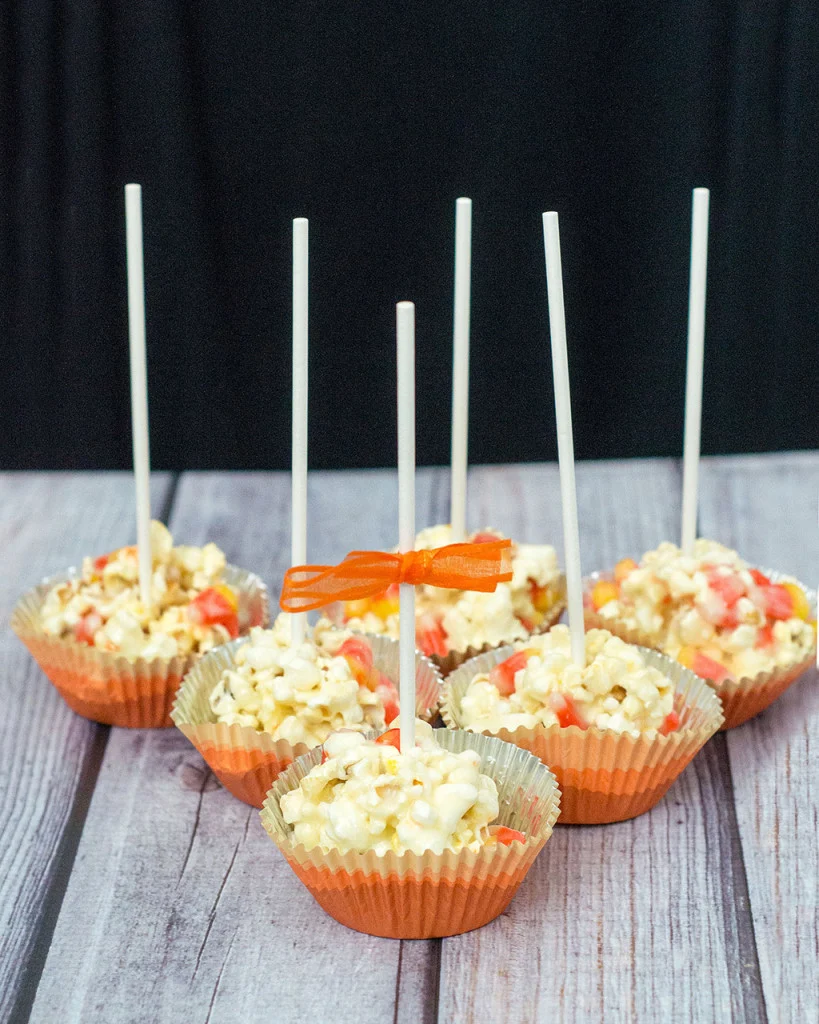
405,306
463,201
550,217
132,188
702,192
300,221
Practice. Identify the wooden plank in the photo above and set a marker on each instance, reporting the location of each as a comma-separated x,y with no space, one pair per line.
49,756
766,508
626,922
185,908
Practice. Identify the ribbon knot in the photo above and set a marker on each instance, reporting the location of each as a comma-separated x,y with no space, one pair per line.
368,573
416,566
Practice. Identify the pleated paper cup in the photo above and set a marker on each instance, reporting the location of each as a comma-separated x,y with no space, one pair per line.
743,698
605,776
423,896
247,762
449,662
110,688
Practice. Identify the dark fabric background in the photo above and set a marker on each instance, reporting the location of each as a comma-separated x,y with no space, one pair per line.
370,120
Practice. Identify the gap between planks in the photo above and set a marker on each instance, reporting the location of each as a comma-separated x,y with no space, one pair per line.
739,932
687,851
163,926
69,843
48,521
419,963
747,995
63,864
773,757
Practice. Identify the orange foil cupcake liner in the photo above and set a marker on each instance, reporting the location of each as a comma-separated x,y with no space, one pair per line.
423,896
109,688
449,662
742,699
606,776
247,762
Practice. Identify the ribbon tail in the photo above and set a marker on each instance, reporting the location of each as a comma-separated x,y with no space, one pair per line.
361,574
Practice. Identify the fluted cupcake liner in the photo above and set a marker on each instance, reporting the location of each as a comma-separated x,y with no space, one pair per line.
605,776
247,762
420,896
449,662
742,699
110,688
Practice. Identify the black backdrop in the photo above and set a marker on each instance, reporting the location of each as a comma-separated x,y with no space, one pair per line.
371,120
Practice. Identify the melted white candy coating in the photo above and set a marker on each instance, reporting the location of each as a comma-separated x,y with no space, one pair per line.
615,690
296,694
369,796
470,618
108,599
678,601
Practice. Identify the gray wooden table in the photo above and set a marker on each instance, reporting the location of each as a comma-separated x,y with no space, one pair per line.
134,889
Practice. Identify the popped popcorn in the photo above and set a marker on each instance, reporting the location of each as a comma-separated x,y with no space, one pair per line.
370,796
191,611
541,685
454,620
302,694
710,610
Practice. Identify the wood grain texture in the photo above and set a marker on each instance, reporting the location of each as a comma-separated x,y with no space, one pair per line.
48,755
178,907
627,922
187,910
766,508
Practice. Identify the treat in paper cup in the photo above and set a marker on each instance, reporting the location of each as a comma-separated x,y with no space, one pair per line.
401,894
604,775
749,632
449,662
112,688
247,759
453,626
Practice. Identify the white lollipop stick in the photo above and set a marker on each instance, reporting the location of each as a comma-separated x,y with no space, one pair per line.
693,373
298,502
139,386
565,442
405,324
460,367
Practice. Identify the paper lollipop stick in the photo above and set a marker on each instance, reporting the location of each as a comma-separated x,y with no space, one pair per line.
565,442
460,367
405,325
298,513
693,373
139,386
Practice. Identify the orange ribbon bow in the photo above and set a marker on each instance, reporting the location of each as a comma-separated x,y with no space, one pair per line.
367,573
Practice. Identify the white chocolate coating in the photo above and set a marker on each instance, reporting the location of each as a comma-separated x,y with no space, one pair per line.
469,618
296,694
680,601
615,690
369,796
107,598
